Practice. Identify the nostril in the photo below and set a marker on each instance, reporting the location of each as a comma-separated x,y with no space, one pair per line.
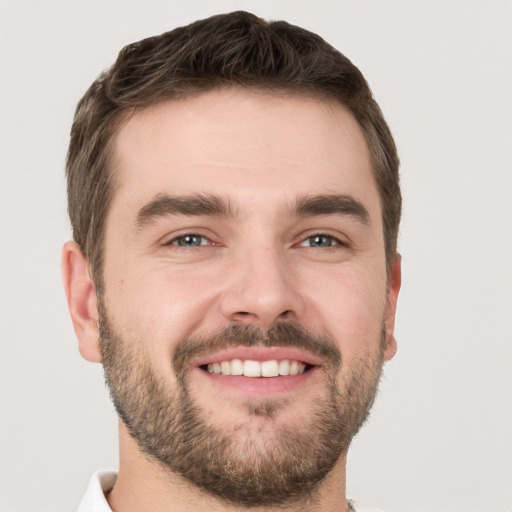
264,319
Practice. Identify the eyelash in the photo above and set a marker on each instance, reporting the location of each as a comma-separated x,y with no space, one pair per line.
175,241
333,241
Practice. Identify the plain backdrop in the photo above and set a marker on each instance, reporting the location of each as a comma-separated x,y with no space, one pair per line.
440,436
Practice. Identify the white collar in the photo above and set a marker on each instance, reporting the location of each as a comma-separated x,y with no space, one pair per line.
94,499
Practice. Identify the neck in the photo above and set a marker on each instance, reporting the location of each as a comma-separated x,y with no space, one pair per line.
144,484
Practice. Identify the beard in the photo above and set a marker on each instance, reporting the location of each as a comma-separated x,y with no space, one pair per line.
267,466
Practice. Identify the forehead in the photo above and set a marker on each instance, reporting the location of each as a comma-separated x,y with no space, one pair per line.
249,146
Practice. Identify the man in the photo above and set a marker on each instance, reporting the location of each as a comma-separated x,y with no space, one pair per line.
233,191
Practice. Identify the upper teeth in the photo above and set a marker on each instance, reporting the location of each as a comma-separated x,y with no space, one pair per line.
250,368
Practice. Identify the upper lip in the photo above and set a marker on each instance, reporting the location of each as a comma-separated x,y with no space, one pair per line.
259,353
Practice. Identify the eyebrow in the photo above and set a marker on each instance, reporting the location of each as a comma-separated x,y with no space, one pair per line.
213,205
331,204
195,205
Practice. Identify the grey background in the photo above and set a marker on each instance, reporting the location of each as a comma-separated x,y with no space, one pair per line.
439,438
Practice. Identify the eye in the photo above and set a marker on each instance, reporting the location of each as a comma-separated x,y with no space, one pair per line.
190,240
320,240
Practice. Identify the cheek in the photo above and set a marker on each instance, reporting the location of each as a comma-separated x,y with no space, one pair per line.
166,305
351,310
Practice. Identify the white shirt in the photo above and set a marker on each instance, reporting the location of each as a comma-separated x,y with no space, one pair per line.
102,482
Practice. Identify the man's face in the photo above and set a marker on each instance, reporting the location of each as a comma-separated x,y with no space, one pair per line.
245,236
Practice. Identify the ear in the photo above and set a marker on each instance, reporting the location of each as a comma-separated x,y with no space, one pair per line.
82,302
395,281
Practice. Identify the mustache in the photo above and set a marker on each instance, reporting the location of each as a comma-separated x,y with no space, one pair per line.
283,334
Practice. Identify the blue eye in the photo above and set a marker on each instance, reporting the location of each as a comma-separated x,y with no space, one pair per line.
319,241
190,241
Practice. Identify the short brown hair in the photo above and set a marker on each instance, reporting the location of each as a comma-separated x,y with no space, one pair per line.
228,50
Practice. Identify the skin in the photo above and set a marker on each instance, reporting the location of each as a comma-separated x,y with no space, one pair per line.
260,152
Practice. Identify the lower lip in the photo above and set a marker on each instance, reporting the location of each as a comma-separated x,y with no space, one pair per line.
259,386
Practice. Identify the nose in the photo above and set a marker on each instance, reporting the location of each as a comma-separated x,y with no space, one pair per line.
261,289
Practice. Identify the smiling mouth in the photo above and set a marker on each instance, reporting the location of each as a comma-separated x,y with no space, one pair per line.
256,369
